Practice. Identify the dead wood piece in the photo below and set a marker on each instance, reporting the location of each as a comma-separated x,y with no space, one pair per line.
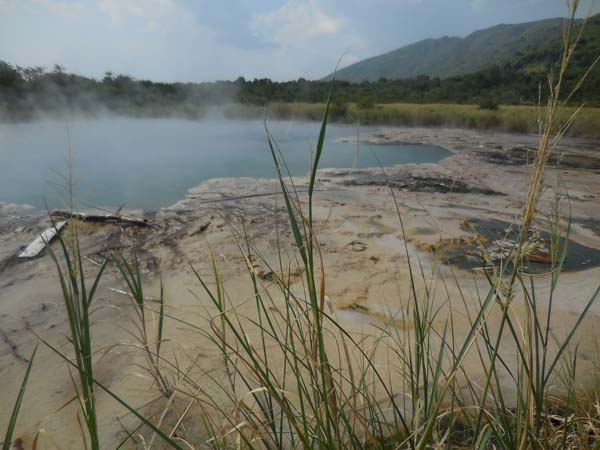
100,218
39,244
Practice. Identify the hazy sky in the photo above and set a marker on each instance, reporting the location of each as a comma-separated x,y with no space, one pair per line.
204,40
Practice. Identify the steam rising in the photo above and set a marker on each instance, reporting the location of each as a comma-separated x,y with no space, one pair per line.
33,93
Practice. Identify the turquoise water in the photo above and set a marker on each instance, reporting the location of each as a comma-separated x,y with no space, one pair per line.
150,163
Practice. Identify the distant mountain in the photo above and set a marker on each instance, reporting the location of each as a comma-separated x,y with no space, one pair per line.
451,56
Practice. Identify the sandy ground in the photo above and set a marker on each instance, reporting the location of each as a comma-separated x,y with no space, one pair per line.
364,253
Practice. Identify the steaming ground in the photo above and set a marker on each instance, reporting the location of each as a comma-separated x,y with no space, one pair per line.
365,258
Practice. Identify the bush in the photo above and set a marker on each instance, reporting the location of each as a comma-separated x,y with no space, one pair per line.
339,110
488,103
366,103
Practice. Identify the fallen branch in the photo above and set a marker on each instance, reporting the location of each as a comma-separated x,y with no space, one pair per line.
40,243
100,218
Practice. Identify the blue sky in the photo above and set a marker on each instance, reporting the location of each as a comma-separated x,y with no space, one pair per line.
205,40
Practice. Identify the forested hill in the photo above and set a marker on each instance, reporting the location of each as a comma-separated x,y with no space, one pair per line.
451,56
29,92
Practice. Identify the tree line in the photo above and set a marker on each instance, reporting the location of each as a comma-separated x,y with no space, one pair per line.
27,91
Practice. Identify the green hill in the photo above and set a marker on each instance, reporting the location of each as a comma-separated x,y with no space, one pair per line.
451,56
547,56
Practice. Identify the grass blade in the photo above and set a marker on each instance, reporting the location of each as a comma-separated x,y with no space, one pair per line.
15,412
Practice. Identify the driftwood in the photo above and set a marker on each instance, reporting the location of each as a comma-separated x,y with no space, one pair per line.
100,218
39,243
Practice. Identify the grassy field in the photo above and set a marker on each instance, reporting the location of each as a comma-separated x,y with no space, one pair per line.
514,119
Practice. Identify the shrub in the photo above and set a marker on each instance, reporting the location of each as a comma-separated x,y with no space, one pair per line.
339,110
366,103
488,103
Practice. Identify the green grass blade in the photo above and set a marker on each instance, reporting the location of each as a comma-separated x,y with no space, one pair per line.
161,318
122,402
566,342
96,281
15,412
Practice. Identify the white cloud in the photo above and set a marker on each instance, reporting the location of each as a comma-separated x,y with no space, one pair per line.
293,22
155,14
167,40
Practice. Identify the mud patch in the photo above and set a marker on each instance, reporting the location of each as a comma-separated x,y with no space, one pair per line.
492,241
416,183
522,155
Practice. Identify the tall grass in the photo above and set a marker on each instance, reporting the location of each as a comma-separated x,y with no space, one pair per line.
78,300
341,398
151,346
533,338
78,297
10,429
507,118
293,376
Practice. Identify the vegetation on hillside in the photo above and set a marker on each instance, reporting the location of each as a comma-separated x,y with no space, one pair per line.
28,92
511,119
451,56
